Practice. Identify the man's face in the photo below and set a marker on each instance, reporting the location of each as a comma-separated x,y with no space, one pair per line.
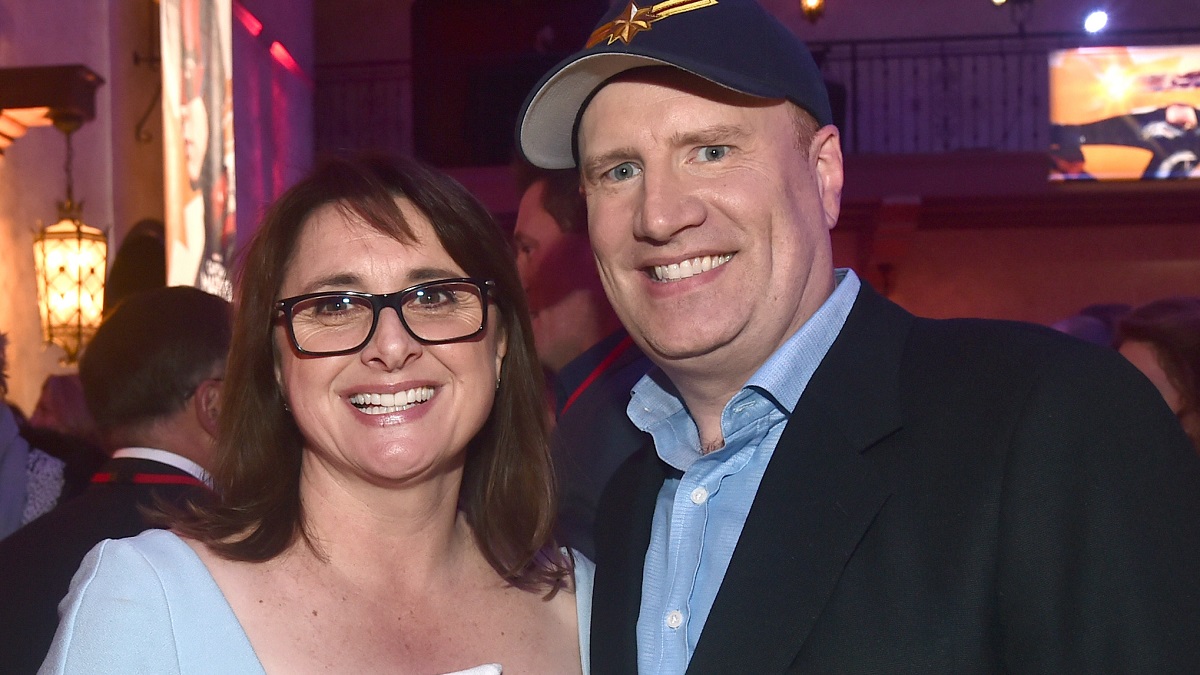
535,234
567,305
708,219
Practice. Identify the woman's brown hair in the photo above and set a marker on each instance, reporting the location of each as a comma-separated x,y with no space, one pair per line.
507,494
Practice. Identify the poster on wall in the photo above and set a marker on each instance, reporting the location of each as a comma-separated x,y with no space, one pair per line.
1125,113
197,100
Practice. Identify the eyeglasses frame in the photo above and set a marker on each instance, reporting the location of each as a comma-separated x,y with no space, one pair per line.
286,306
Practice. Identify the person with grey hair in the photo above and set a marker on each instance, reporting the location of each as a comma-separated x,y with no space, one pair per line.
151,377
833,484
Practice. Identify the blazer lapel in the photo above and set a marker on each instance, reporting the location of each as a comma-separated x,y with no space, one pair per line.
622,535
818,497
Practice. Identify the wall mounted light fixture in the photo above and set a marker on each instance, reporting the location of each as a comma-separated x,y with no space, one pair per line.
813,9
69,256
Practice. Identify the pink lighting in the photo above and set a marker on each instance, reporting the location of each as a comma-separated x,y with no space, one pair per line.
285,59
249,21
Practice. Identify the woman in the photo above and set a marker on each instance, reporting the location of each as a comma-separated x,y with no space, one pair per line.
1162,339
386,495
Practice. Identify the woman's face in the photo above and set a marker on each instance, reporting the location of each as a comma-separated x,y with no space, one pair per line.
452,385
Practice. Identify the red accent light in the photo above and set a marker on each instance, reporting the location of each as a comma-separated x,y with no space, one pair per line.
252,24
285,59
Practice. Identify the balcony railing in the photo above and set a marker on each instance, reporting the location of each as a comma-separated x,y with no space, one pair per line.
898,96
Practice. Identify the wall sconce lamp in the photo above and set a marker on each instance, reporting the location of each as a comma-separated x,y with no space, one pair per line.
69,256
813,9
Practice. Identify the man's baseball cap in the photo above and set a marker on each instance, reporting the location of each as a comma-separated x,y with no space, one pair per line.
734,43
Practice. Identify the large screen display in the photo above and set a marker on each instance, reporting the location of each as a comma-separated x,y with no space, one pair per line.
197,97
1125,113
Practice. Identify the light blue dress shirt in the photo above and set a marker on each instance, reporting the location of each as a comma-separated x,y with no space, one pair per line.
702,508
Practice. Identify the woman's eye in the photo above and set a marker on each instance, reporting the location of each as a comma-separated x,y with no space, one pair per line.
712,153
432,298
332,306
622,171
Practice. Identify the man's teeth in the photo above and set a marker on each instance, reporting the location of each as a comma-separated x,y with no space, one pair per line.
381,404
689,268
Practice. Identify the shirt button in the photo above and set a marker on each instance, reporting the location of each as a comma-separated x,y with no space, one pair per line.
674,618
699,495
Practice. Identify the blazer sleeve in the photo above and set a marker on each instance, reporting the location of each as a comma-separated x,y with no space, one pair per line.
1099,530
115,618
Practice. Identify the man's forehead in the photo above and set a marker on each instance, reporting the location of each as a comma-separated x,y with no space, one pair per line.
683,82
709,105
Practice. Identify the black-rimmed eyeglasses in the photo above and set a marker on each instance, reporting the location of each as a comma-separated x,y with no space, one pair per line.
342,322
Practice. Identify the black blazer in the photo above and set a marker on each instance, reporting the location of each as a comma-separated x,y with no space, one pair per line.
957,496
38,560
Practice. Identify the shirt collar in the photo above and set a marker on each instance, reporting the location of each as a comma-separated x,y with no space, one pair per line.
169,458
783,376
786,372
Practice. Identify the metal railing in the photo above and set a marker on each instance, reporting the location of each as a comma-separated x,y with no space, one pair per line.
962,93
920,95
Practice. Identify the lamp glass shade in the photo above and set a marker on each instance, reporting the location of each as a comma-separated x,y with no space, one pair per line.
70,259
813,9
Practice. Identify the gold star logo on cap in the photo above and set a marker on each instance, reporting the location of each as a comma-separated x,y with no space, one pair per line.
633,19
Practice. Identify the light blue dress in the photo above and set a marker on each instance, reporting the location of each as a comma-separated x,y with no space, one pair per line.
147,604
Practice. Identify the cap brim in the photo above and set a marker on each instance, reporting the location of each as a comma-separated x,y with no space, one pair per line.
549,119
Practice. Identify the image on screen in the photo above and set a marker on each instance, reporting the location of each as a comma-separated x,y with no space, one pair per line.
1125,113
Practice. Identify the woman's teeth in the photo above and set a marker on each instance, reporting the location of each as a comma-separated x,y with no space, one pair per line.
382,404
689,268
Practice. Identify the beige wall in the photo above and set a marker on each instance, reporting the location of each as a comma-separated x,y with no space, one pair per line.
31,173
1040,274
117,176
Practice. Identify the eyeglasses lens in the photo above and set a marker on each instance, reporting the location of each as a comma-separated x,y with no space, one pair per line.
337,322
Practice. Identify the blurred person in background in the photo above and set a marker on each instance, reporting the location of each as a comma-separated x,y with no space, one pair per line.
1162,338
580,340
31,480
63,408
151,377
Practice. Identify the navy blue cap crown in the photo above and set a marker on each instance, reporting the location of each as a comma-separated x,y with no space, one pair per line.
734,43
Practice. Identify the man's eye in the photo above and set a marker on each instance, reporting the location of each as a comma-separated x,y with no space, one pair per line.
712,153
623,171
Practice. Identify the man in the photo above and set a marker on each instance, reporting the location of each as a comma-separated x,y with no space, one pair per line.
151,378
835,485
567,305
580,340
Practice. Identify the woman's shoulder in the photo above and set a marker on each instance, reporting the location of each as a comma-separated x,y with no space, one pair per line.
143,601
154,557
155,543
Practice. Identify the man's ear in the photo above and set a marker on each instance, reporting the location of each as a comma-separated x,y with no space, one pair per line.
207,402
826,153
